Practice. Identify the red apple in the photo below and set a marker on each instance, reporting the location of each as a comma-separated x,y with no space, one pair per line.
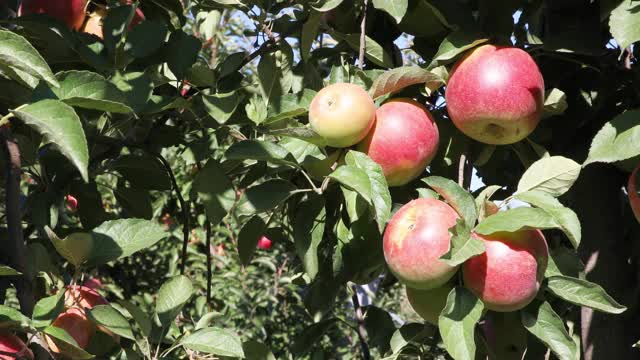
508,275
415,238
496,95
71,12
83,297
264,243
12,344
342,114
75,322
429,303
403,140
634,193
92,283
138,17
72,202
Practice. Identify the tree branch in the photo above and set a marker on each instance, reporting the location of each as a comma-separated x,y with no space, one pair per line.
362,331
363,37
209,273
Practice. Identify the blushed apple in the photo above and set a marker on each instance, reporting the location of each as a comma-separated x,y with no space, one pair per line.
75,322
634,195
264,243
12,344
83,297
71,12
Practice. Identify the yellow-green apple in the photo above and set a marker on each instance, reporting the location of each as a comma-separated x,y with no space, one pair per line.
342,114
11,344
429,303
403,140
71,12
75,322
414,240
634,194
507,276
496,95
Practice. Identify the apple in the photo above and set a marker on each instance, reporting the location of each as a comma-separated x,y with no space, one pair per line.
415,238
507,276
342,114
429,303
72,202
495,95
138,17
12,344
83,297
75,322
634,193
93,25
71,12
264,243
92,283
403,140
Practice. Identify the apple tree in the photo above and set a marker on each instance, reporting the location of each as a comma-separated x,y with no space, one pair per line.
319,179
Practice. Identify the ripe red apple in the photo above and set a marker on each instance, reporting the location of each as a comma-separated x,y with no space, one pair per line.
415,238
342,114
403,140
72,202
92,283
496,95
12,344
83,297
634,193
71,12
75,322
138,17
264,243
429,303
508,275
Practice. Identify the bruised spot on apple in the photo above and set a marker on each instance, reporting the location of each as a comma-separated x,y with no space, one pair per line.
403,141
75,322
507,276
415,239
634,195
495,95
342,114
71,12
429,303
11,344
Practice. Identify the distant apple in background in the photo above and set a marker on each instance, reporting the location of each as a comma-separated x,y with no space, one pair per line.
342,114
12,344
429,303
138,17
71,12
495,95
634,195
72,202
415,238
264,243
403,140
508,275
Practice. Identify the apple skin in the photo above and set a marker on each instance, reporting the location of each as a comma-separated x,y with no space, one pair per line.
71,12
403,141
342,114
12,344
495,95
507,276
264,243
75,322
429,303
634,195
83,297
415,238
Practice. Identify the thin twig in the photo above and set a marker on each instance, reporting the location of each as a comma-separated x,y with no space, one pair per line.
209,274
361,330
461,167
363,26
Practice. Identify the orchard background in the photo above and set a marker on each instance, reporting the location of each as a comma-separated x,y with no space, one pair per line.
159,153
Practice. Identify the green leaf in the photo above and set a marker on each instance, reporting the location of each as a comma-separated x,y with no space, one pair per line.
254,350
172,296
59,124
269,78
141,318
309,34
137,88
617,140
261,151
135,202
553,175
47,310
116,239
111,319
326,5
483,198
289,106
406,334
566,219
75,248
18,56
214,190
463,245
308,230
624,23
265,196
540,320
66,343
355,179
555,103
512,220
399,78
458,198
182,52
395,8
7,271
86,90
303,133
453,45
310,335
214,341
10,318
222,106
584,293
248,238
143,171
457,323
373,51
380,196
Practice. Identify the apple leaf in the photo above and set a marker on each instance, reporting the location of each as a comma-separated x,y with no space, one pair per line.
566,219
397,79
463,245
373,51
221,106
60,125
395,8
7,271
214,341
617,140
457,323
308,230
215,190
326,5
553,175
66,343
172,296
47,310
456,196
624,23
142,170
111,319
140,317
483,198
309,34
555,103
355,179
584,293
257,350
303,133
289,106
310,335
248,238
563,262
264,197
20,61
406,334
541,321
184,52
10,317
260,151
523,218
75,248
453,45
85,89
